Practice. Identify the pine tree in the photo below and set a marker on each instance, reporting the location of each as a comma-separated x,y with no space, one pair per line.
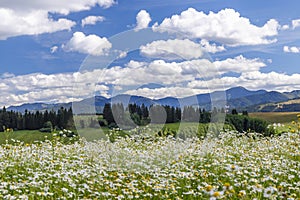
107,113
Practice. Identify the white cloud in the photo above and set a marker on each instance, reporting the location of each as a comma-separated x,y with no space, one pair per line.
55,6
49,88
33,17
211,48
91,44
293,49
168,73
160,67
284,27
31,23
172,49
122,54
179,80
158,93
7,75
135,64
179,49
226,27
53,49
253,80
91,20
239,64
295,23
142,20
3,86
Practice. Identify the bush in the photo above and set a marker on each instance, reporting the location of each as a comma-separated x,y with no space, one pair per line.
166,132
116,133
113,126
102,122
243,123
46,130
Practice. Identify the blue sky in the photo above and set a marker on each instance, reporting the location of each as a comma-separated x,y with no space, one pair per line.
254,44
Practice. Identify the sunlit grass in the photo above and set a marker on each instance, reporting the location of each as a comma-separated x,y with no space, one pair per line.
276,117
25,136
229,167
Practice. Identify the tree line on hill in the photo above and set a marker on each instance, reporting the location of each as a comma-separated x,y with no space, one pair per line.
117,115
61,119
142,115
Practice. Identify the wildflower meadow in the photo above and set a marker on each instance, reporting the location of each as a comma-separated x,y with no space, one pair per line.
224,167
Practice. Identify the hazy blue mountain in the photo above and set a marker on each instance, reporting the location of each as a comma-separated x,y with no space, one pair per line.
293,95
171,101
238,92
237,97
282,106
38,107
268,97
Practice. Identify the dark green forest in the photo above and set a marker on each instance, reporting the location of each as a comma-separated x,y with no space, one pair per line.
117,115
60,119
142,115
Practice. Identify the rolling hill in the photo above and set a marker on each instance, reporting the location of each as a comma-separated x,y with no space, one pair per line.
285,106
238,97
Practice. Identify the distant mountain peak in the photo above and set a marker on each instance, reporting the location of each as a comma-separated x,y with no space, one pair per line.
238,92
238,97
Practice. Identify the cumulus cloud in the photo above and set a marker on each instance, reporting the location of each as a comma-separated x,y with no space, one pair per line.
172,49
293,49
3,86
53,88
226,27
211,48
168,73
179,49
32,23
158,93
53,49
142,20
295,23
91,20
55,6
7,75
284,27
34,17
122,54
178,78
239,64
253,80
90,44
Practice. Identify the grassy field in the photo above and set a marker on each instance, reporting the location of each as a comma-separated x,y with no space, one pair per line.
283,119
225,168
25,136
91,134
184,129
32,137
276,117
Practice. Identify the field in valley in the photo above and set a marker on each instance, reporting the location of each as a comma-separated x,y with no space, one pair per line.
46,166
227,168
276,117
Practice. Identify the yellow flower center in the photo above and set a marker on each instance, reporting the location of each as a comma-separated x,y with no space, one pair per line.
216,194
208,188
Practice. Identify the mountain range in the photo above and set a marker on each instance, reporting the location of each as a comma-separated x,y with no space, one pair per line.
237,97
